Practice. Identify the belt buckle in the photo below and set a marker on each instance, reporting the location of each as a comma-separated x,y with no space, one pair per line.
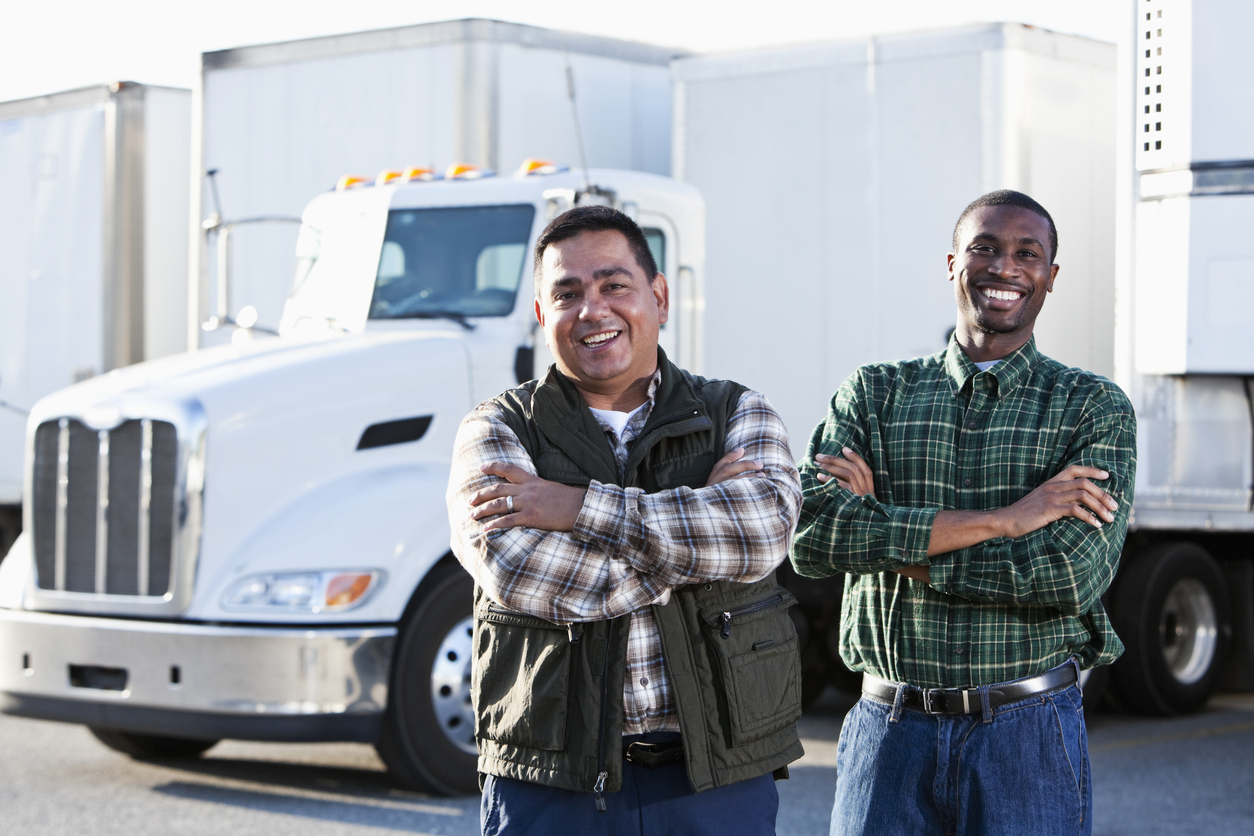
927,701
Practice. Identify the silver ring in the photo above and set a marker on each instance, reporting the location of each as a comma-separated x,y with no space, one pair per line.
509,503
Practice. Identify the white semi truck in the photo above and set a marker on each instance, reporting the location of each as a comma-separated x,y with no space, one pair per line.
93,220
251,541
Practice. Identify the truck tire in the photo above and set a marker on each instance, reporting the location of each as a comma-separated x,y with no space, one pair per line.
428,734
151,746
1169,608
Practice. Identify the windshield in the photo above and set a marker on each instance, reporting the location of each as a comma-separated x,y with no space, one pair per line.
461,261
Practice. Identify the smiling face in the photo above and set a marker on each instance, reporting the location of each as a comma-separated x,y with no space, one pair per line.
601,315
1001,273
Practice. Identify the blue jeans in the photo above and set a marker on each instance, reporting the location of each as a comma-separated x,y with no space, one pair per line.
652,802
1021,769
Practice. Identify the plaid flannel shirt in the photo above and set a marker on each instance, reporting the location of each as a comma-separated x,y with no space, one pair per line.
629,549
939,434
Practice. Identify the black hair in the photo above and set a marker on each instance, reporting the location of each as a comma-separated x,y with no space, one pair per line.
1009,197
596,219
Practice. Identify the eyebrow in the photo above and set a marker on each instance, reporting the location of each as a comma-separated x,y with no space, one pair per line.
603,273
988,236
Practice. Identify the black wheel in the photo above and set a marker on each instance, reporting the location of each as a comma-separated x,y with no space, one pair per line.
1169,609
428,735
151,745
1093,683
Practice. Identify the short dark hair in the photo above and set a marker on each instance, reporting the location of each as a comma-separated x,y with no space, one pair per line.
582,219
1009,197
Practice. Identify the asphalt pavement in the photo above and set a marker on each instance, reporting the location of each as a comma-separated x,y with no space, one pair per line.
1151,776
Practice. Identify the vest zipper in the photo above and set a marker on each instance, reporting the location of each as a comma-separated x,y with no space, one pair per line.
725,618
602,773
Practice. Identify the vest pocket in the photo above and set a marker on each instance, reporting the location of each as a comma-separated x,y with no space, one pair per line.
520,679
758,660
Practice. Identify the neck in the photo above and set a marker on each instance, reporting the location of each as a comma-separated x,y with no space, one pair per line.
981,346
617,400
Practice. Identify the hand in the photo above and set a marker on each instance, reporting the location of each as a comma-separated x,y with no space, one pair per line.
731,466
851,472
538,503
1069,494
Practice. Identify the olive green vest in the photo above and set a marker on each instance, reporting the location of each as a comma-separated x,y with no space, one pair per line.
549,699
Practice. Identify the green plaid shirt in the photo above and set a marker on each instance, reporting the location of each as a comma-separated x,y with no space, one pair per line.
940,434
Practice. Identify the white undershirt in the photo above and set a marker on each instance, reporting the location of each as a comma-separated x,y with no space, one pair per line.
986,365
616,420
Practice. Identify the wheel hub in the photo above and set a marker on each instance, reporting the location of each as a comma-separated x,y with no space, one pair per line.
1188,630
450,686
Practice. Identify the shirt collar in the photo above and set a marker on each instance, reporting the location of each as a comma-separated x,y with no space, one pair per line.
1008,373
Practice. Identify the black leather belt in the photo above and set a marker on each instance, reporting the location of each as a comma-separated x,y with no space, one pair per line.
967,700
653,755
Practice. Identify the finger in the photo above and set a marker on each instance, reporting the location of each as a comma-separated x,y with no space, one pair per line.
846,485
487,494
1098,499
509,472
1078,471
1078,510
492,508
839,468
732,456
732,470
855,458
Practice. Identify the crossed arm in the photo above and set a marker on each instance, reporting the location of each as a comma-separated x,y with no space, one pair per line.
1057,546
622,549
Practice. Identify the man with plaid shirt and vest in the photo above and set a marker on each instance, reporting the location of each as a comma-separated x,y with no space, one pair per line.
959,492
635,669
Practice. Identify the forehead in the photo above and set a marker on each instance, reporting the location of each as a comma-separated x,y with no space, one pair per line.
582,255
1005,222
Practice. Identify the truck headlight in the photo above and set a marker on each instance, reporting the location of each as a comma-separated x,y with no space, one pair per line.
313,592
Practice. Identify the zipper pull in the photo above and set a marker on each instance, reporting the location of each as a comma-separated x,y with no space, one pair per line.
726,619
574,631
600,788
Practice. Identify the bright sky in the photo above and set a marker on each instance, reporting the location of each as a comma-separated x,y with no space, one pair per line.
51,45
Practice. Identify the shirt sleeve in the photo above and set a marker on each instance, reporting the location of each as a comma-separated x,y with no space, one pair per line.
840,531
1068,564
549,574
736,530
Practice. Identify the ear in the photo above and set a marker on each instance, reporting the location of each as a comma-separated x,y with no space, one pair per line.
662,294
1053,274
539,312
950,258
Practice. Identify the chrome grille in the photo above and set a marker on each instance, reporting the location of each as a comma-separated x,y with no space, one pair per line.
103,507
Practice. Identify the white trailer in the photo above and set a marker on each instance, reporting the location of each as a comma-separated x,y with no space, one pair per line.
833,175
93,219
280,122
1184,599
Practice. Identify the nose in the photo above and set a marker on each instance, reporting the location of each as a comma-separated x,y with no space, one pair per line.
595,307
1003,265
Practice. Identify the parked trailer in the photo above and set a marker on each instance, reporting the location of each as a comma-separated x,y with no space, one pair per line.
93,219
833,175
280,122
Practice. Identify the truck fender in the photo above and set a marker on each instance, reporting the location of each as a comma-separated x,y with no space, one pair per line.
391,518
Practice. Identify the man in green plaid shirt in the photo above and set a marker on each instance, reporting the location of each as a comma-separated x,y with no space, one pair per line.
960,494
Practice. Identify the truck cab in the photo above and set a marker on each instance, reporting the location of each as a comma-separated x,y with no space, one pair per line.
250,541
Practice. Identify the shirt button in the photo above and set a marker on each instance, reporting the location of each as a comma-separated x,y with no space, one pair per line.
970,425
967,482
644,680
960,650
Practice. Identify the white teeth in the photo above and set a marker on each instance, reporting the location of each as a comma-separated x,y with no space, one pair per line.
1004,295
597,339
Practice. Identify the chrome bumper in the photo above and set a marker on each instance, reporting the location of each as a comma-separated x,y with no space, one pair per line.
194,680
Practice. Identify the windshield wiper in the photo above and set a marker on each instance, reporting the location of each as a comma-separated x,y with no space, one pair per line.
455,316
